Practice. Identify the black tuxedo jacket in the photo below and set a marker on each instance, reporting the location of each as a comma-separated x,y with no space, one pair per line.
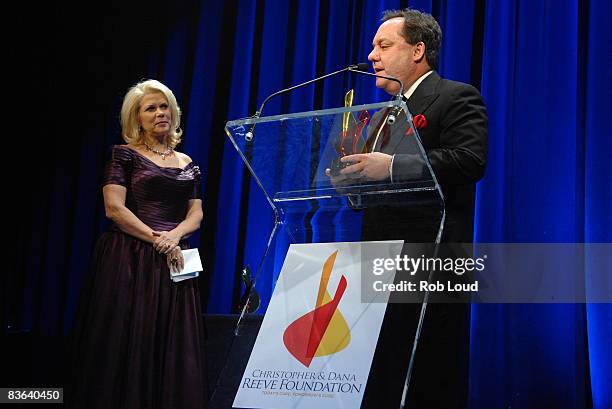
455,141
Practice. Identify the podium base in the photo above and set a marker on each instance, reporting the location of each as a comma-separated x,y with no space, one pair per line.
227,355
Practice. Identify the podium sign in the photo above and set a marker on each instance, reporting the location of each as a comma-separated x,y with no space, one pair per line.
315,327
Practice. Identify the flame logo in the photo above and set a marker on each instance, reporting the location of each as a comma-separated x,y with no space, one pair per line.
322,331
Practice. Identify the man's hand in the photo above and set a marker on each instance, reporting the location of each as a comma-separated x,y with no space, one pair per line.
343,180
368,166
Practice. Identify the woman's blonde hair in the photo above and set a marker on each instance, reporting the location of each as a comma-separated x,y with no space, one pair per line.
130,128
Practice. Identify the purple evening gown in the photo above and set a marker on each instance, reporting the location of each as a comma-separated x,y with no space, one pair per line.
138,338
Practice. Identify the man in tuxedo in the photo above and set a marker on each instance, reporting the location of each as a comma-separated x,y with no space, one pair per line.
452,124
453,118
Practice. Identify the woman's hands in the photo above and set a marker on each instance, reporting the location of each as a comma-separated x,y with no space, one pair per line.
175,259
165,241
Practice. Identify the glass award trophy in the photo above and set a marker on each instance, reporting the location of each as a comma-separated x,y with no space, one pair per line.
351,139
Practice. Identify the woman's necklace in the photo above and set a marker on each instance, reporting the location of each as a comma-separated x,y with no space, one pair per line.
168,151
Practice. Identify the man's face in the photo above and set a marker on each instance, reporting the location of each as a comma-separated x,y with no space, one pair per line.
392,56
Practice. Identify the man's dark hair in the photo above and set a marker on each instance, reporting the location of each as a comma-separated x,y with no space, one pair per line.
420,26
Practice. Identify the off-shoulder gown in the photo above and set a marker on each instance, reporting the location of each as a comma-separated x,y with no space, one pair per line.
138,337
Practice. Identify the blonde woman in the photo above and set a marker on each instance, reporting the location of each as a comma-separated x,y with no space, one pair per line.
138,337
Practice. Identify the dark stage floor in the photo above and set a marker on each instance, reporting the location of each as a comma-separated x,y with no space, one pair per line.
30,360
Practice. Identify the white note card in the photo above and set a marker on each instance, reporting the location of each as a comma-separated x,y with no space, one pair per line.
193,266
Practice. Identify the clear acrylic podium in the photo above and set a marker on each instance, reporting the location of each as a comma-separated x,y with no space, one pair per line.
294,160
290,158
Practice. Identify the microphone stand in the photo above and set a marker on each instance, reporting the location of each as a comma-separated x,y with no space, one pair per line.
353,68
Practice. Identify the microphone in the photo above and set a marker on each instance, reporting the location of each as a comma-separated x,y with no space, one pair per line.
353,68
362,68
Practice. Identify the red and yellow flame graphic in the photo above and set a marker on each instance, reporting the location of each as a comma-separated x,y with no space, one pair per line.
322,331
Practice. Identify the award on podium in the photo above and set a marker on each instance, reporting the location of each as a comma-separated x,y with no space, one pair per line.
351,139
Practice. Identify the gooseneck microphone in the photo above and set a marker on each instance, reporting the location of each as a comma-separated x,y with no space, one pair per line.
395,111
361,67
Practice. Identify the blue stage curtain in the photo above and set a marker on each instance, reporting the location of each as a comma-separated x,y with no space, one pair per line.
547,87
543,68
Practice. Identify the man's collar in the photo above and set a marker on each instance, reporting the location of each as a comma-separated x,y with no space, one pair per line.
424,94
414,86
